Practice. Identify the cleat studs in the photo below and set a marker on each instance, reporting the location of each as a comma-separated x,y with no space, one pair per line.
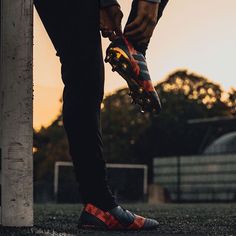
134,101
140,90
148,100
114,68
142,111
140,101
124,66
108,57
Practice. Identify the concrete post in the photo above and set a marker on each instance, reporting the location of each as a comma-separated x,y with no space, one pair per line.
16,110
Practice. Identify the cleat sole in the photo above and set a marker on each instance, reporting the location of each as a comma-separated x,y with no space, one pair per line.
123,67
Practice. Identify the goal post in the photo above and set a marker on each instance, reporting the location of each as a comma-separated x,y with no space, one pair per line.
120,177
16,112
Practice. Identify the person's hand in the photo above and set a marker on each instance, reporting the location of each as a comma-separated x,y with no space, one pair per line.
110,21
141,29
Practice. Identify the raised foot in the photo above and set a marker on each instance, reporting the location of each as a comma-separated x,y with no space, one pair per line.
139,96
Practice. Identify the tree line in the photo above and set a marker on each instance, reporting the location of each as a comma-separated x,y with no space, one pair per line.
132,137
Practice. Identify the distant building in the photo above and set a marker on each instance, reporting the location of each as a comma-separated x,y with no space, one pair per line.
209,176
225,144
222,127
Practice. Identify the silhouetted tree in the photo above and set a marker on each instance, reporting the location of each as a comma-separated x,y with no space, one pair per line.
185,96
232,101
50,145
122,124
130,136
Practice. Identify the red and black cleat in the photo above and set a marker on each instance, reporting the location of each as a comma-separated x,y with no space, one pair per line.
132,66
115,219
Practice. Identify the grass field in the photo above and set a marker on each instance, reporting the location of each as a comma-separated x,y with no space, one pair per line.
181,219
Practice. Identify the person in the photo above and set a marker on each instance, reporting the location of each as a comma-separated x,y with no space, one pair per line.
74,28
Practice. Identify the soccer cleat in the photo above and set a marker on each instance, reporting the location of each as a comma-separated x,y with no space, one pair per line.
131,65
116,219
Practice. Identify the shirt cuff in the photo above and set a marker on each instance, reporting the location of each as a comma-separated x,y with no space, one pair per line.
107,3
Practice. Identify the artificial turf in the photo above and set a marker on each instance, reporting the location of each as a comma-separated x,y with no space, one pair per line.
181,219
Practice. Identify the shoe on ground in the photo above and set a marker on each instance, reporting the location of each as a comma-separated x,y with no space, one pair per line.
115,219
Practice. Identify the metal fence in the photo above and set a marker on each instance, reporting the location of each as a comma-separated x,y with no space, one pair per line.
197,178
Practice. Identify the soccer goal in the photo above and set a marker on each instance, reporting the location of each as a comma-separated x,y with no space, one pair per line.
129,182
16,111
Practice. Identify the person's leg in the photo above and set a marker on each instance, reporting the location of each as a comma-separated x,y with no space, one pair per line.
73,27
143,47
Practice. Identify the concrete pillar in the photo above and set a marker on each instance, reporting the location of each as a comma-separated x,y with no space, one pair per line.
16,110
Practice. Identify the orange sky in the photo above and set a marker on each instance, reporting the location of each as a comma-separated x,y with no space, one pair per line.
199,35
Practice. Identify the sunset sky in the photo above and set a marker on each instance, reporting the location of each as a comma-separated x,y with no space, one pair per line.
199,35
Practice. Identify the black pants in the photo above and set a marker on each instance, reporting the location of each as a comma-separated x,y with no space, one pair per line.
73,27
